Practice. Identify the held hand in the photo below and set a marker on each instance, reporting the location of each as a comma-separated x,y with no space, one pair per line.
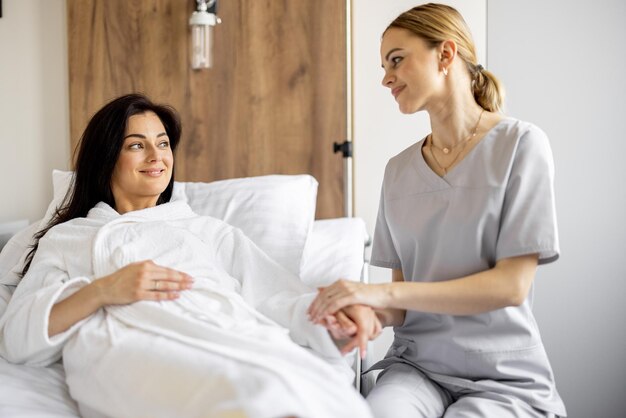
340,326
368,327
353,326
343,293
143,280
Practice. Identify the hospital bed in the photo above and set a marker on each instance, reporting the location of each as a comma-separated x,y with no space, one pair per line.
276,212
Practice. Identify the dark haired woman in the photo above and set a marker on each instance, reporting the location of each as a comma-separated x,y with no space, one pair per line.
157,311
466,215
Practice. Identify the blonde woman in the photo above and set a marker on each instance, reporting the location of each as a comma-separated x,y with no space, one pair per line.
466,215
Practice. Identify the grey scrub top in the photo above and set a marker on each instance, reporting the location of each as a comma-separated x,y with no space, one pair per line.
497,202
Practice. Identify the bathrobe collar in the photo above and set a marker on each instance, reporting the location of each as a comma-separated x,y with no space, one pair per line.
170,211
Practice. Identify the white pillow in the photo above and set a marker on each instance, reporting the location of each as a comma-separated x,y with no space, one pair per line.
14,249
61,181
276,212
334,251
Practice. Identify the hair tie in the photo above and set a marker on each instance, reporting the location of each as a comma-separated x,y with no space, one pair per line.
479,68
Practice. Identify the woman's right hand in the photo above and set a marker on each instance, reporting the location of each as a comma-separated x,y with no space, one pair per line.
143,280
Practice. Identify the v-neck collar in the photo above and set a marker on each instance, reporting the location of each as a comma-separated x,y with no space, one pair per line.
438,182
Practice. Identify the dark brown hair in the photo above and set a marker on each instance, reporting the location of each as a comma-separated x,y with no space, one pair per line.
97,154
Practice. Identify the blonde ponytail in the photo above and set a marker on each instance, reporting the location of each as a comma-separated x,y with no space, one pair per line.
488,90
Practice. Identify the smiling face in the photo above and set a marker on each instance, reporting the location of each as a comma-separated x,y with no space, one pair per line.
412,70
144,166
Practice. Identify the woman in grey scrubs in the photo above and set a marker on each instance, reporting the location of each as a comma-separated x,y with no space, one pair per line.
466,215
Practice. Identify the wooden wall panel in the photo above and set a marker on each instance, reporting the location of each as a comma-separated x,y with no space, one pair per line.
274,101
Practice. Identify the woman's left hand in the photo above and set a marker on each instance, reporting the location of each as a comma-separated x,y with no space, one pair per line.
343,293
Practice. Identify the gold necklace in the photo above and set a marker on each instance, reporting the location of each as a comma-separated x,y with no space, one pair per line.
447,150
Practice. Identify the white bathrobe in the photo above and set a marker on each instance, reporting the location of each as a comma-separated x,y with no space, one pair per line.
224,348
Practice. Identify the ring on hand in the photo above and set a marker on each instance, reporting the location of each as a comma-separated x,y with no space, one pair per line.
156,285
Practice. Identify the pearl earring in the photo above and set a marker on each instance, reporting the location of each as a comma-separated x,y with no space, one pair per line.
445,71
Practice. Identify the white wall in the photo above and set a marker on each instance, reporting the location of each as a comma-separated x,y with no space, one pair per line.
34,107
563,64
380,130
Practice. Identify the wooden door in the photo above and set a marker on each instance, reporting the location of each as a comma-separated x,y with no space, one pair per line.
274,101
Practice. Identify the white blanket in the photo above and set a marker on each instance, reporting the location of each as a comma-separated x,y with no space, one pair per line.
223,349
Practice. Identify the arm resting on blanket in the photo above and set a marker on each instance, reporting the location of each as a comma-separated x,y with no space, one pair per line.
129,284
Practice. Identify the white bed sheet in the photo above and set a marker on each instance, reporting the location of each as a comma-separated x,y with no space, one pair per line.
33,392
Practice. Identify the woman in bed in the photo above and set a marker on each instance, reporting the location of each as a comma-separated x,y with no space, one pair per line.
466,215
159,312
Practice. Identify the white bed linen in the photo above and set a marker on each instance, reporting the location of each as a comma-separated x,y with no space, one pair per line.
34,392
334,251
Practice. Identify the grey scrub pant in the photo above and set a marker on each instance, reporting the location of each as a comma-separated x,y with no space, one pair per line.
402,391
